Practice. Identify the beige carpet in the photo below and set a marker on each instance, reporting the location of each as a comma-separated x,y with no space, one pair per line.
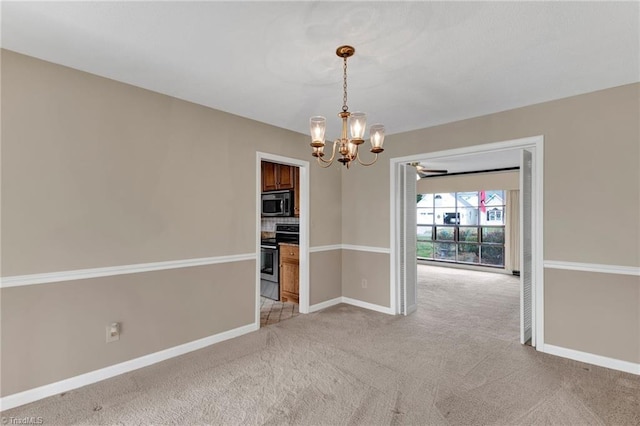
456,361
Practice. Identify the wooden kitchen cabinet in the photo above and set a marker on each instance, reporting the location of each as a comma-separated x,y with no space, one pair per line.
296,192
286,176
289,273
269,179
277,177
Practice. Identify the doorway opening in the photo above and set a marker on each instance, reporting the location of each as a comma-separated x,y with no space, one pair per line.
403,225
282,238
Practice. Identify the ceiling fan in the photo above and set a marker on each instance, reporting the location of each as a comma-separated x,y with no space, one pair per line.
424,172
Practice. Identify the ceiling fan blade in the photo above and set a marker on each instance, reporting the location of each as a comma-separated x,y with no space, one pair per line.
423,170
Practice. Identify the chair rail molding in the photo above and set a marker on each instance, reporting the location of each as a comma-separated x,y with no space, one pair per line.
592,267
81,274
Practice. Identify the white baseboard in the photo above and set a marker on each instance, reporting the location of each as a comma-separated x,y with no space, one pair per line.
367,305
489,269
350,301
325,304
599,360
25,397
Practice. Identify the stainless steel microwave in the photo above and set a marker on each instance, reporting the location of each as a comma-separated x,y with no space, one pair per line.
277,203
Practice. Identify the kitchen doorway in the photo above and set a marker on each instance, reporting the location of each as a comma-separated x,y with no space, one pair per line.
403,262
282,237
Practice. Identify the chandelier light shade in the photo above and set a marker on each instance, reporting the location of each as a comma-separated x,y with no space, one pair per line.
347,148
317,126
376,135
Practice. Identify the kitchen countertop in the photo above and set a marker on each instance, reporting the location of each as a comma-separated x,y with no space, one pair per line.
267,234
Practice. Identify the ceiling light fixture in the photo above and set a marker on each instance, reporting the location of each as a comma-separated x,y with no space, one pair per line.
357,122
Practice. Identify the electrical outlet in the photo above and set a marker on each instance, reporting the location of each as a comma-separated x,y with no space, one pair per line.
113,332
364,283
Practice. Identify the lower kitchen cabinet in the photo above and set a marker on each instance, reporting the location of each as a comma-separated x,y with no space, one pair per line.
289,273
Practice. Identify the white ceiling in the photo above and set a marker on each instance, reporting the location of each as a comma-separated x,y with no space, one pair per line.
417,64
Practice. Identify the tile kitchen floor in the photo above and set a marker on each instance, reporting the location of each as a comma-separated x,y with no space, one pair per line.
273,311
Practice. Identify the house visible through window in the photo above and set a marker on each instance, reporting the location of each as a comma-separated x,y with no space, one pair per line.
494,215
462,227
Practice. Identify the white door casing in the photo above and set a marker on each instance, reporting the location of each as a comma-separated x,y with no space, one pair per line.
408,265
526,248
535,145
304,228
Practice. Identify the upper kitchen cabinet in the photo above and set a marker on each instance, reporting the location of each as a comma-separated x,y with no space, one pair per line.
277,176
296,191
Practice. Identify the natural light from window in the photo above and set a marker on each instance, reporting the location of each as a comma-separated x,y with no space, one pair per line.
462,227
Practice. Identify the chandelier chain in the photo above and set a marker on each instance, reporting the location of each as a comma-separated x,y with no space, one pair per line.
345,108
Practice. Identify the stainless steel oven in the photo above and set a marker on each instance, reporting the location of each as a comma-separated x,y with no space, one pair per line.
269,269
269,262
287,233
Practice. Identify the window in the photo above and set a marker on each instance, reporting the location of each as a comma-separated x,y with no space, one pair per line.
494,215
462,227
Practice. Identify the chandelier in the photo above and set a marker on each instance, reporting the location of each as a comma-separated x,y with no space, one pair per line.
356,121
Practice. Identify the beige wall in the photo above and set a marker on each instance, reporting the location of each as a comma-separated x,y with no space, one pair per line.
593,312
325,204
97,173
474,182
326,275
370,266
54,331
591,197
592,155
100,173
